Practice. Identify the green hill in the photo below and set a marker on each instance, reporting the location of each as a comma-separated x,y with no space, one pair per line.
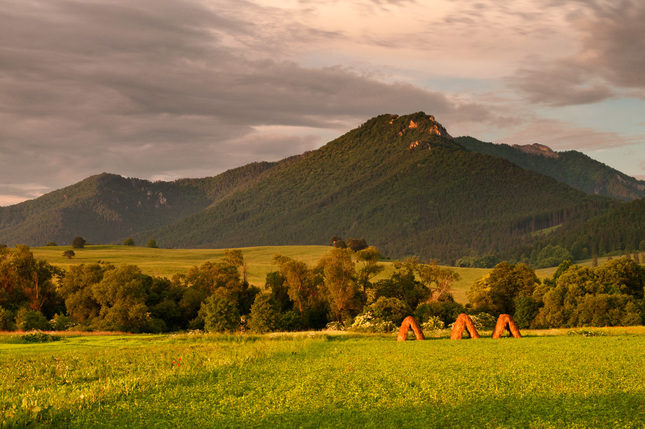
107,208
571,167
403,184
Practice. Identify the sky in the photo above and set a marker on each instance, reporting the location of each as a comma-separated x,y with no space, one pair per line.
167,89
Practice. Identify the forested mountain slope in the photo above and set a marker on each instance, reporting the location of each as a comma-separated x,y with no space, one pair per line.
571,167
106,208
403,184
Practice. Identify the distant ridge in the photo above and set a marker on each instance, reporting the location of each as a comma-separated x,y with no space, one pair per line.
400,182
571,167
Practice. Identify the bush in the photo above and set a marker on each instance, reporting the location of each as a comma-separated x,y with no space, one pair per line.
265,316
6,320
128,242
368,322
484,321
152,243
29,320
219,315
78,243
390,310
433,323
61,322
39,337
446,311
290,321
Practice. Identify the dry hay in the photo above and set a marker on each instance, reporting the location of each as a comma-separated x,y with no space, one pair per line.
506,322
463,322
410,322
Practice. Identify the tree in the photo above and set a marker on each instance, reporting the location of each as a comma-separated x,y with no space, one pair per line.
128,242
496,292
27,282
69,254
152,243
339,279
219,314
368,267
78,243
76,289
265,315
356,244
300,281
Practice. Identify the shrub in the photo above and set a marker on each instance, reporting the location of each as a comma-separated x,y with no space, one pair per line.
152,243
290,321
484,321
29,320
6,320
265,316
51,244
39,337
78,243
61,322
219,314
433,323
390,310
128,242
368,322
446,311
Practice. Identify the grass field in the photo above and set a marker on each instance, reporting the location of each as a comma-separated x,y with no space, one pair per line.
589,378
166,262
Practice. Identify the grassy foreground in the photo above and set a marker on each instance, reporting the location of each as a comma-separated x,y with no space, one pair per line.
311,380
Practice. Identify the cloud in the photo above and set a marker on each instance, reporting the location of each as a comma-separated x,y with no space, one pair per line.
607,64
561,135
163,87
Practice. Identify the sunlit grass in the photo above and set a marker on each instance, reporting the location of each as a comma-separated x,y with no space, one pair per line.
579,379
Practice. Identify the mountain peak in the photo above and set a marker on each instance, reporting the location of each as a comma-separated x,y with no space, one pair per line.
421,122
537,149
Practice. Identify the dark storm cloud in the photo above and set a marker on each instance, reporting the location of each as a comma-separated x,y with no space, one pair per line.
609,62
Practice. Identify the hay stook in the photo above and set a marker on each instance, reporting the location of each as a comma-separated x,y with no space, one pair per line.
463,322
410,322
505,321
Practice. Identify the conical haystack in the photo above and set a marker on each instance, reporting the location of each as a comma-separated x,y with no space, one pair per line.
410,322
463,322
506,322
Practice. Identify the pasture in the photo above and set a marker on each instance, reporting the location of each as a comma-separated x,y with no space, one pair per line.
548,379
167,262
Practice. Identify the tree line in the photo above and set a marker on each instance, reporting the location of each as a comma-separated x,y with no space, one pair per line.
345,289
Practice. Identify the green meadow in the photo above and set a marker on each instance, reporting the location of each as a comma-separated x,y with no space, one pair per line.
552,379
166,262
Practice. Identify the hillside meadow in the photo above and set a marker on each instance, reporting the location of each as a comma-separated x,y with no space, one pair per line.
548,379
166,262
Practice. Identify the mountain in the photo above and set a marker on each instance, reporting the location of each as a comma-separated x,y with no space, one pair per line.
400,182
571,167
107,208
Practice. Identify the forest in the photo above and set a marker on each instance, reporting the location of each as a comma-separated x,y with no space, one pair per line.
339,292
